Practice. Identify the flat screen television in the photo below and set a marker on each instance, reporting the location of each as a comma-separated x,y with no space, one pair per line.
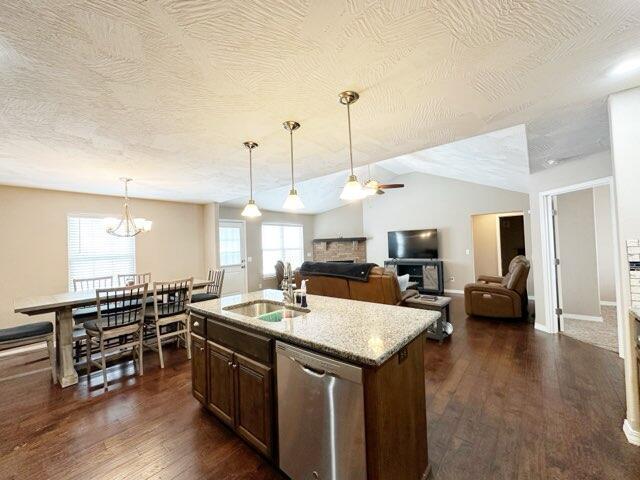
413,244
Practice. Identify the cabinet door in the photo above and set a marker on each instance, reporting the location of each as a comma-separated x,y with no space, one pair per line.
254,412
220,394
198,369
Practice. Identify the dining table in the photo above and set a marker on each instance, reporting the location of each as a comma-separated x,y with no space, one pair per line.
62,305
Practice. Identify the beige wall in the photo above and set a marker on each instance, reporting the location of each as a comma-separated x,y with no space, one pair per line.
604,243
576,240
568,173
33,242
485,245
254,240
345,221
429,201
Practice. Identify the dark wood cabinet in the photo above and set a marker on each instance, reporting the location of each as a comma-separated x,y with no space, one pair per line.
221,392
254,403
233,377
198,368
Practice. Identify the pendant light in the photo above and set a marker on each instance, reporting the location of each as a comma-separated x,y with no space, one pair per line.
251,210
126,226
292,202
353,189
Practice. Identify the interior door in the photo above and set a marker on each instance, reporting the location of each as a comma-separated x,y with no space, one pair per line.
233,256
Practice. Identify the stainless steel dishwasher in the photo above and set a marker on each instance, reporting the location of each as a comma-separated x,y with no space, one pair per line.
320,416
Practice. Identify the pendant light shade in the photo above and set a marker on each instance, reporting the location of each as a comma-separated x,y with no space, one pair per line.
353,188
251,210
293,201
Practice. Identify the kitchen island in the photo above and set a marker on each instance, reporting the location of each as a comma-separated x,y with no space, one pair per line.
240,346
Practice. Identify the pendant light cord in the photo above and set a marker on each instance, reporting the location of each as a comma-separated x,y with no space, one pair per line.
291,143
350,147
250,175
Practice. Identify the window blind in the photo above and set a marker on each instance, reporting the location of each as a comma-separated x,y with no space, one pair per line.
281,242
92,252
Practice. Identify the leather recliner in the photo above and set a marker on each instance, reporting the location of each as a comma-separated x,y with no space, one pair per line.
501,297
381,287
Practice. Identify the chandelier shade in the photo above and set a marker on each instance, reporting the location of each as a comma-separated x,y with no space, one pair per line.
127,225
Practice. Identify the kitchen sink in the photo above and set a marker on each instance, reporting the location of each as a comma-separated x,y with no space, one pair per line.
267,311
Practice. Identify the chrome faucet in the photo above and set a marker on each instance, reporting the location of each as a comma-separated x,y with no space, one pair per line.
287,286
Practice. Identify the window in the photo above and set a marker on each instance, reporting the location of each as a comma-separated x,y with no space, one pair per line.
95,253
281,242
230,246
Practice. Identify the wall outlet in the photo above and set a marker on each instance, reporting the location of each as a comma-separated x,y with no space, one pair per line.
249,259
259,286
467,251
309,254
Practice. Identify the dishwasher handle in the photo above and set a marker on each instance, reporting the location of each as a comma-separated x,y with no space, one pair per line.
314,372
319,366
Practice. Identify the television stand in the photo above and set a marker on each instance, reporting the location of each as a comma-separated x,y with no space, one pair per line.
428,274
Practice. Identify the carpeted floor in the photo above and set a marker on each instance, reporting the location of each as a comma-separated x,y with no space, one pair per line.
601,334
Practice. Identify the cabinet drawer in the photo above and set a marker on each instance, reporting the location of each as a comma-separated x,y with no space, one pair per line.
197,324
249,344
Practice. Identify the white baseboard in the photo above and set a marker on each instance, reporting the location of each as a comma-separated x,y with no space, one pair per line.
25,349
606,303
454,292
633,436
588,318
542,327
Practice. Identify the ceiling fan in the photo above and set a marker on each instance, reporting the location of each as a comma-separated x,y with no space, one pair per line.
378,188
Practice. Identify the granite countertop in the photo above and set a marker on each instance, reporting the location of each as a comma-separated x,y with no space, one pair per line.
360,332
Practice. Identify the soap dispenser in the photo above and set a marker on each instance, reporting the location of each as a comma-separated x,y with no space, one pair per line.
303,294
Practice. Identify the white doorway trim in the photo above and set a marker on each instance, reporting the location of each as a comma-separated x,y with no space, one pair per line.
548,254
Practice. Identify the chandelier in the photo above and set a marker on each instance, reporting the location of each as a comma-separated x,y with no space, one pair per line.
127,226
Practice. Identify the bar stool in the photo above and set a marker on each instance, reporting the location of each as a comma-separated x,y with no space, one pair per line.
30,334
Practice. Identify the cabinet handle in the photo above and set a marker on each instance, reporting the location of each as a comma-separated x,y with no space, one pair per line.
235,365
196,324
230,363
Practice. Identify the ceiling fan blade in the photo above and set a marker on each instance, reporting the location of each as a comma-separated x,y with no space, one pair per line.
391,185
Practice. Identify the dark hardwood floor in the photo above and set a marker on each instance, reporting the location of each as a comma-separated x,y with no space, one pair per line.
503,402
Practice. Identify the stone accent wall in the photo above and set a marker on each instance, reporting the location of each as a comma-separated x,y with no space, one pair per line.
340,250
633,254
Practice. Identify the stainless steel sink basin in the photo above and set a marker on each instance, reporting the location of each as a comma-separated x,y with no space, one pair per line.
267,311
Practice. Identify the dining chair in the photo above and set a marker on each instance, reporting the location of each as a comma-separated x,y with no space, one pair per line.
134,278
213,290
30,334
170,301
82,314
121,312
81,284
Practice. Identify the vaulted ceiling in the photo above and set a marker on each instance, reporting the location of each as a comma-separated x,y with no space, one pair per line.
166,91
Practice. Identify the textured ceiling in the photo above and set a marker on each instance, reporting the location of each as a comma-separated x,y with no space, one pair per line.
498,159
167,91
